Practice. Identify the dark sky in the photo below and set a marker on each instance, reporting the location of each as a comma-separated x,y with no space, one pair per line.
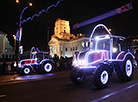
35,31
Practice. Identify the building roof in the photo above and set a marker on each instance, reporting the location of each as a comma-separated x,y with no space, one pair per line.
73,39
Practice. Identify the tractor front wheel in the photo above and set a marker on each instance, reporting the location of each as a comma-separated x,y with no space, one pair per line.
102,76
77,77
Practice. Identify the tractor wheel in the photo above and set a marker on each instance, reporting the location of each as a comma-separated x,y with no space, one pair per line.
77,77
102,76
26,70
126,70
47,67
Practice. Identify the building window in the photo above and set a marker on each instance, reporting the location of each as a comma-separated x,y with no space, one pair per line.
66,49
58,48
82,43
73,48
54,49
86,44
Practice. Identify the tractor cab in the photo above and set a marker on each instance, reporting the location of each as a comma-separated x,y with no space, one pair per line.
113,45
39,56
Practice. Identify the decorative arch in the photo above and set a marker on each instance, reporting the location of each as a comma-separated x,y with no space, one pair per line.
99,25
32,50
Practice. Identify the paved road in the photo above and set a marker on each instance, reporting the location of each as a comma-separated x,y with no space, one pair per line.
57,87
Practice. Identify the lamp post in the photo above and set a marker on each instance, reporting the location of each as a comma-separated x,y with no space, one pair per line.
14,36
19,32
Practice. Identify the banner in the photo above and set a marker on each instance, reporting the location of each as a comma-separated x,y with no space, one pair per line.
103,16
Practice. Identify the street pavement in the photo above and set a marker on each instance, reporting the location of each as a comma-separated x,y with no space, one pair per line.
57,87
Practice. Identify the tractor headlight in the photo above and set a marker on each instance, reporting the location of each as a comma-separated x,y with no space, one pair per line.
115,50
16,64
75,63
81,62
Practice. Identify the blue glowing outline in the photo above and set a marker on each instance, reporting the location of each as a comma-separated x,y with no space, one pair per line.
89,65
119,54
103,57
128,53
21,66
96,28
44,10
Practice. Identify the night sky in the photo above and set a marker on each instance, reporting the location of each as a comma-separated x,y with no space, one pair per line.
35,31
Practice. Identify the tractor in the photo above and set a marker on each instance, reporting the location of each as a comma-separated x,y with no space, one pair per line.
107,54
39,62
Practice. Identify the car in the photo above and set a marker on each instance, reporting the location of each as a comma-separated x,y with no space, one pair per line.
40,62
108,53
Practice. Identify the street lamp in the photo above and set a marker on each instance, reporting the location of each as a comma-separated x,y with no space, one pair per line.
14,36
30,4
110,30
17,1
19,32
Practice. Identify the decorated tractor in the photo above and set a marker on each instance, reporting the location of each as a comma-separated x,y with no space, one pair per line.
40,62
107,54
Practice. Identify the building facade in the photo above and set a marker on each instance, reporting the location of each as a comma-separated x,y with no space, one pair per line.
65,44
5,47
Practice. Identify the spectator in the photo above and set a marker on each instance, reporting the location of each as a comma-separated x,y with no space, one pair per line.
4,67
12,67
8,69
56,60
62,63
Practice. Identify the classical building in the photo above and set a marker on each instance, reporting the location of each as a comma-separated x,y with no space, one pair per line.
65,44
5,47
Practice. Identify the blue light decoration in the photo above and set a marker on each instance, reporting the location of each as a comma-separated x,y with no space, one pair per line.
103,16
99,25
17,34
99,55
103,54
42,11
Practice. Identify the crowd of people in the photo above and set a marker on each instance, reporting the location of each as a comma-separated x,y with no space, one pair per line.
7,68
6,64
62,63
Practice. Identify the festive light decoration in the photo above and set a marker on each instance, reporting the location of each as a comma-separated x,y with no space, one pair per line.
42,11
99,55
103,51
99,25
104,16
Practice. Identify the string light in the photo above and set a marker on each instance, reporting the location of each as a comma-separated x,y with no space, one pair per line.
42,11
